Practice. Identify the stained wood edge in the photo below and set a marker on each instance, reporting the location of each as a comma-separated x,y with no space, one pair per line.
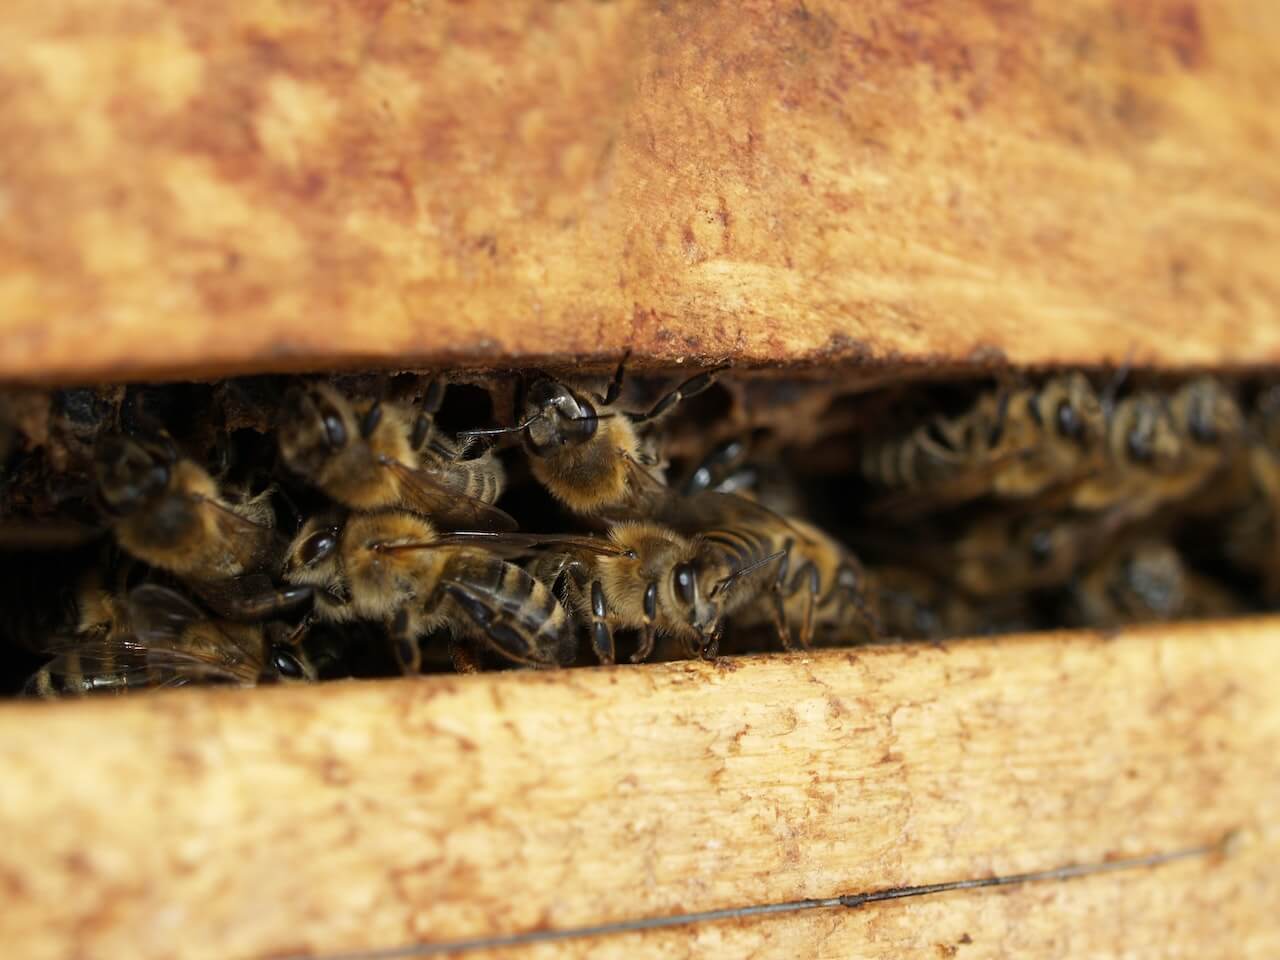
356,816
195,189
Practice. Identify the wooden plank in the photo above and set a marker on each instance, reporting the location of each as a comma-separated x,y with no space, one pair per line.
190,187
353,816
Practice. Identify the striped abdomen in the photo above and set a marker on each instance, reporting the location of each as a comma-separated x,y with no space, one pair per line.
508,609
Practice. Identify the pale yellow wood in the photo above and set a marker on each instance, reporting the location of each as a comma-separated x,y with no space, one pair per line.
195,187
360,815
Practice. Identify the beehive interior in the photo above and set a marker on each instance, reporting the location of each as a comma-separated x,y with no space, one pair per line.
937,485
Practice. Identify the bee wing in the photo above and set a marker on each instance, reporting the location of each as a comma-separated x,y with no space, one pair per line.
258,546
423,492
696,513
513,544
161,616
113,662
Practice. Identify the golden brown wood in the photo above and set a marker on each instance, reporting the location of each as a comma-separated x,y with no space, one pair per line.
188,187
226,823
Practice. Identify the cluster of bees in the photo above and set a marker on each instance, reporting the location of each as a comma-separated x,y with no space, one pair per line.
358,524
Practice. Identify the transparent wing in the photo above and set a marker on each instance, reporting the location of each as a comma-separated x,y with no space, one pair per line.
424,493
513,544
102,663
177,635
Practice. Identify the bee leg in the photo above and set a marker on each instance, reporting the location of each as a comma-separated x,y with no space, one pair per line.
424,424
777,599
404,643
610,396
812,587
649,634
690,388
648,637
463,656
252,598
601,632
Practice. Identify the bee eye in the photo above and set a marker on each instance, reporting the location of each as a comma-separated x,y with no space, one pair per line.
1139,445
317,547
1041,548
368,423
1069,423
287,665
1203,429
335,430
684,583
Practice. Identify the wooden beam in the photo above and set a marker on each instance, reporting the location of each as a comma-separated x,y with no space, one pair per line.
194,188
356,816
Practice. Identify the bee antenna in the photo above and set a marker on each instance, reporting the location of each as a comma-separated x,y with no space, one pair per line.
499,431
1117,381
724,584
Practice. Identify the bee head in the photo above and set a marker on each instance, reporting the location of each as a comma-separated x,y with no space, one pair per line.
556,417
284,661
1147,432
127,474
1078,416
313,559
1208,412
316,424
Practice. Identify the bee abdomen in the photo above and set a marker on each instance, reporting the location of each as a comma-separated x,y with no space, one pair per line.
514,613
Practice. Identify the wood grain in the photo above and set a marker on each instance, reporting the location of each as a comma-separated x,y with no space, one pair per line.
194,188
364,815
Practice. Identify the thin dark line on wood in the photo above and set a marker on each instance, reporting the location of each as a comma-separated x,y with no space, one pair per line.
852,900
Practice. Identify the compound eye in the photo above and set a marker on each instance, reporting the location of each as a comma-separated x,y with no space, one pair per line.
317,547
1041,547
1139,444
684,581
335,431
1068,418
287,665
1203,429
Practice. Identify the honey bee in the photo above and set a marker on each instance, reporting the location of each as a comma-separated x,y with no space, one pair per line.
1162,449
755,566
394,567
368,455
593,457
167,511
158,638
642,578
1142,582
1013,444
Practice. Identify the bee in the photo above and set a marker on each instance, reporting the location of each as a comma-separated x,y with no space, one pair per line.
641,578
1162,449
368,455
1013,444
394,567
593,457
167,511
158,638
756,566
1142,582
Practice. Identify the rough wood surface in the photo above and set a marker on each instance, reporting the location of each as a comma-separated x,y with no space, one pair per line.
354,816
192,187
